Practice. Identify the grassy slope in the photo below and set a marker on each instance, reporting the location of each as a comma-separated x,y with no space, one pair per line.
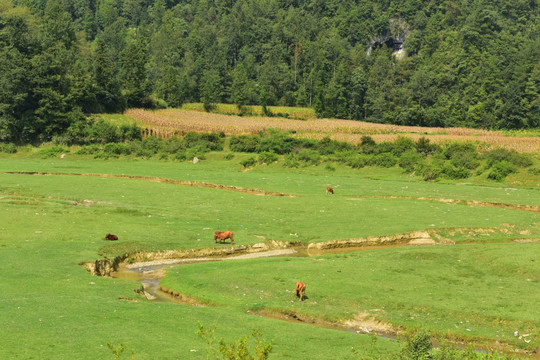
52,308
469,291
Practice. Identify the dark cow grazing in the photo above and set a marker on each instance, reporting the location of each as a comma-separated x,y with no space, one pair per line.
329,190
222,235
300,290
111,237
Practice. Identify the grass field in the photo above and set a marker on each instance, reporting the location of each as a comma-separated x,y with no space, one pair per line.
465,292
53,308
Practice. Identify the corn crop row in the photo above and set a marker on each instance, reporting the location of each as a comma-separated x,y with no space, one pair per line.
170,122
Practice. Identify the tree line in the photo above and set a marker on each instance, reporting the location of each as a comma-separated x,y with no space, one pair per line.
460,63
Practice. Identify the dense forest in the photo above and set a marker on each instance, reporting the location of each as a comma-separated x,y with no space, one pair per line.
471,63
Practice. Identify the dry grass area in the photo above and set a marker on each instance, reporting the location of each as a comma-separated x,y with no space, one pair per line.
171,121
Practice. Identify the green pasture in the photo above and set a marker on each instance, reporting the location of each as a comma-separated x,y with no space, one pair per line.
52,308
464,292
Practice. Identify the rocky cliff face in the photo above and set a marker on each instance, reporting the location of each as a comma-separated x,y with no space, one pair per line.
394,37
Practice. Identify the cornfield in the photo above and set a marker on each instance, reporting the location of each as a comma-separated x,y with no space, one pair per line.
171,122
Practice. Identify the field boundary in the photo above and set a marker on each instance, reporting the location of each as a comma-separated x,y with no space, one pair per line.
251,191
160,180
532,208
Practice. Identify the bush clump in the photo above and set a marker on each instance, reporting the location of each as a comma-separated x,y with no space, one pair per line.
383,160
309,156
244,143
410,160
53,151
456,173
402,144
268,157
494,156
249,162
8,148
500,170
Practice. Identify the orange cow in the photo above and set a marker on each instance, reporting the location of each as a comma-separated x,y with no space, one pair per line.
329,190
300,290
223,235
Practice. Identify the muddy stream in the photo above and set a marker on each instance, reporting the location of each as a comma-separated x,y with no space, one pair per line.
150,273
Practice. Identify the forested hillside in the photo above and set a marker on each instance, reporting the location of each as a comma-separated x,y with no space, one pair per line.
411,62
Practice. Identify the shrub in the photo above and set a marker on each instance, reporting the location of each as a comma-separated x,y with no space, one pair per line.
501,170
52,151
103,132
8,148
309,156
291,161
383,160
174,144
330,167
417,347
534,171
130,132
498,155
367,145
462,155
197,151
385,147
430,172
229,156
424,147
244,143
249,162
267,157
402,144
208,106
117,149
240,349
280,143
456,173
210,141
357,161
328,146
89,150
466,160
410,160
367,141
180,155
89,130
458,149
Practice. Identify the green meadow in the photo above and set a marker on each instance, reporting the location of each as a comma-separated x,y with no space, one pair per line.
52,308
468,292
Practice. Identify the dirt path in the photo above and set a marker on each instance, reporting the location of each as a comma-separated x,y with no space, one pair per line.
171,262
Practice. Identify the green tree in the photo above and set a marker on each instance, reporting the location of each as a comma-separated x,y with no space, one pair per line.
133,72
211,88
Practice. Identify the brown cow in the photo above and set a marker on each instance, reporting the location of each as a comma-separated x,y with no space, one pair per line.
300,290
111,237
223,235
329,190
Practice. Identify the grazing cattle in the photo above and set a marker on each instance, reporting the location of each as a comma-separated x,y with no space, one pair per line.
300,290
329,190
111,237
222,235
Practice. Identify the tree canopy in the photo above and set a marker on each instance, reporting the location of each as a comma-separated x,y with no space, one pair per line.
410,62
